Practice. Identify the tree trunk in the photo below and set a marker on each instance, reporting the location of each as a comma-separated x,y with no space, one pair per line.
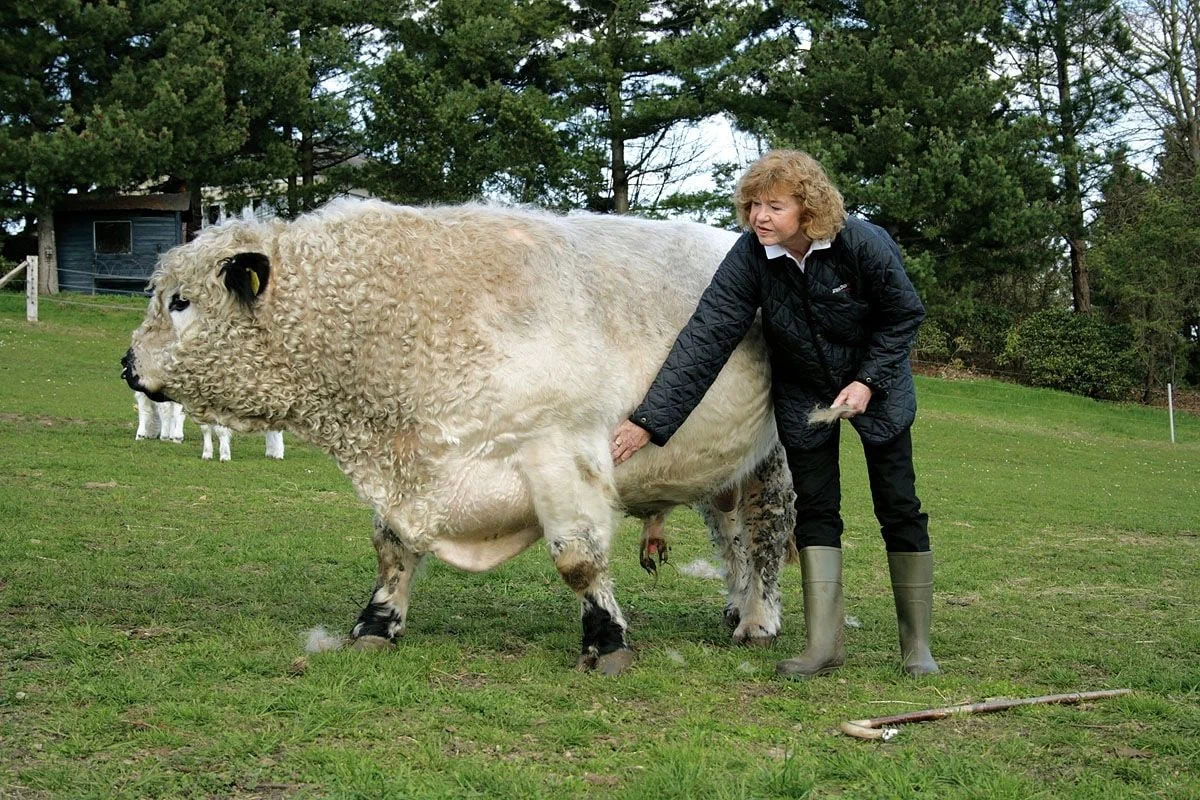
616,126
620,179
1081,292
1071,157
194,220
308,172
47,251
293,196
293,182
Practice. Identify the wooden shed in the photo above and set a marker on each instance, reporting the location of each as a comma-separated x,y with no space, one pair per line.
112,244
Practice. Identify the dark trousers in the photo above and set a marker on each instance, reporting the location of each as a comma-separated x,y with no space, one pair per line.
817,479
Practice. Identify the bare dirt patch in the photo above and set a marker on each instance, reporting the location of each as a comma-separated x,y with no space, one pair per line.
41,419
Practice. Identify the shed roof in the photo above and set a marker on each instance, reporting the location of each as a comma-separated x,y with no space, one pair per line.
127,202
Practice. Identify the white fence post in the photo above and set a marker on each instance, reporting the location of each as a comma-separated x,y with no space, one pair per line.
31,290
30,265
1171,412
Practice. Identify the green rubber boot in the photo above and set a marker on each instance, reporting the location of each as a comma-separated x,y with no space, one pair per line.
824,615
912,588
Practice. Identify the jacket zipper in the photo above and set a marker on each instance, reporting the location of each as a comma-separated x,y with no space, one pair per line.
808,316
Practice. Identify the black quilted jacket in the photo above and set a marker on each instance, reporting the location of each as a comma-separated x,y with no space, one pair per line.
851,315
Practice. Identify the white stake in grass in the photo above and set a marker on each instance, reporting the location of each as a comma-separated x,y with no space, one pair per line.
1171,412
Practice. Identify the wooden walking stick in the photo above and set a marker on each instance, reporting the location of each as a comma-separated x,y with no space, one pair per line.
878,728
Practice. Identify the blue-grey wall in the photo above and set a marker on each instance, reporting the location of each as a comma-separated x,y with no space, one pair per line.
79,265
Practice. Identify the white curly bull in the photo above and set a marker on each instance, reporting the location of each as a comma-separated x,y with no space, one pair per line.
465,366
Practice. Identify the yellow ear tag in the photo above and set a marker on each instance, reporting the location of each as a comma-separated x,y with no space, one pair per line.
254,284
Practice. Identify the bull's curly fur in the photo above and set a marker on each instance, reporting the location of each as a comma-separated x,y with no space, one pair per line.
464,365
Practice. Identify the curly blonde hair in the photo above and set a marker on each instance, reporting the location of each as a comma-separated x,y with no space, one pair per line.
823,213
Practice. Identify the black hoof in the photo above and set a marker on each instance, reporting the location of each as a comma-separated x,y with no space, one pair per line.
378,621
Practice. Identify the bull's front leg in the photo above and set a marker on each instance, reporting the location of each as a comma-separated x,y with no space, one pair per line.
583,564
574,498
386,612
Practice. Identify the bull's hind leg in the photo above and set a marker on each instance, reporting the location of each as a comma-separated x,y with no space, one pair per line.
384,617
728,539
574,497
768,513
751,530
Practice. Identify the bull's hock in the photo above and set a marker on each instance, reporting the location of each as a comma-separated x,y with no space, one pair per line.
465,366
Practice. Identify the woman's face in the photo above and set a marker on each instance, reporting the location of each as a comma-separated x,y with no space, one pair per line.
775,219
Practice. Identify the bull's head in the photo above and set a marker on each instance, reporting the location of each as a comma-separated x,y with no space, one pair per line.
203,342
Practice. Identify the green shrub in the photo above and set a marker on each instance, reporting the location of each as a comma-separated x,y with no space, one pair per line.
1076,353
933,343
973,334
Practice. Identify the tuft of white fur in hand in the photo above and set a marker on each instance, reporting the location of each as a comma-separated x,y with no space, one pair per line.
701,569
828,416
319,640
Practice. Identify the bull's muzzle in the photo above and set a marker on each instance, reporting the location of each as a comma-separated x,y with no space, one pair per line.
130,376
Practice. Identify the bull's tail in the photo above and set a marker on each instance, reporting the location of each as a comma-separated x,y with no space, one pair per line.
827,416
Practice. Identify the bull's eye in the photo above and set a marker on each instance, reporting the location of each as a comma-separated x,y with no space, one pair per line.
178,303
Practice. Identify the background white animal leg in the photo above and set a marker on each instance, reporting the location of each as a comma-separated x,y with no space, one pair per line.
386,612
224,435
206,448
274,444
575,499
148,421
170,417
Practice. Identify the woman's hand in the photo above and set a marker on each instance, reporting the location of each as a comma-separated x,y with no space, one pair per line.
856,395
627,439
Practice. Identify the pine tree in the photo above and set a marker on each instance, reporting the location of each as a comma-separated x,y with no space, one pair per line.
1065,50
905,106
463,104
1147,265
639,74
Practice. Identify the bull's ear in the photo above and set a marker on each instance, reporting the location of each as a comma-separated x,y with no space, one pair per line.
246,275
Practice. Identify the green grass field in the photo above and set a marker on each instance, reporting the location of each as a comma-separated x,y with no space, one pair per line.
152,607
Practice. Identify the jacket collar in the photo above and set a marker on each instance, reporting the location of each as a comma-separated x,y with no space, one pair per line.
776,251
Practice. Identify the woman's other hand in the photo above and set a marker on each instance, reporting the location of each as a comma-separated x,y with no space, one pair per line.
856,395
627,439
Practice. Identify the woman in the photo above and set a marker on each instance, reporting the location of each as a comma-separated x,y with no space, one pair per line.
840,316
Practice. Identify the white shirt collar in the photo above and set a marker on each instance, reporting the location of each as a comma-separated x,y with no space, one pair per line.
775,251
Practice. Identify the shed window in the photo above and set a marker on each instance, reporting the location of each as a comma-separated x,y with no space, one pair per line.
114,238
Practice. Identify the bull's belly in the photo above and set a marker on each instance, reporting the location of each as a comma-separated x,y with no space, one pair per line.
711,451
478,516
480,555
